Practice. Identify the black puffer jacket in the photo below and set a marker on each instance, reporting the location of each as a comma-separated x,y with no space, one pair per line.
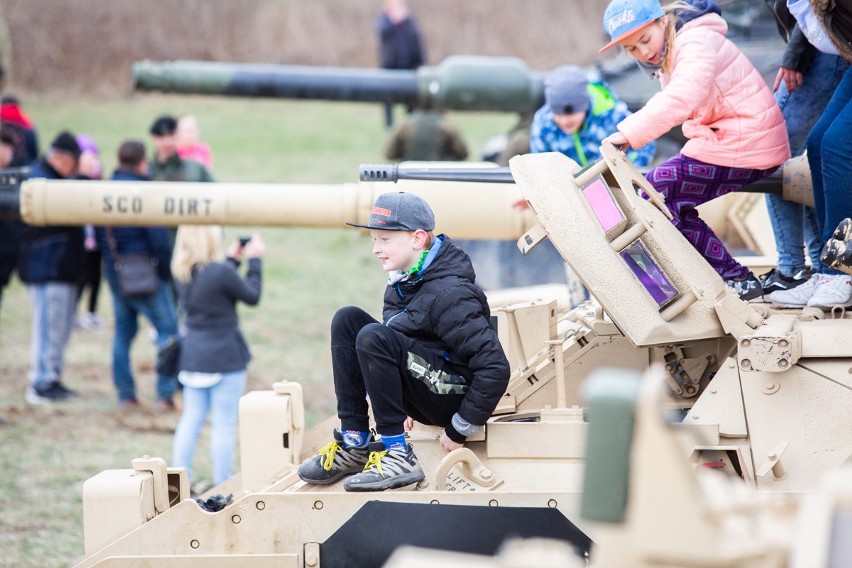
443,310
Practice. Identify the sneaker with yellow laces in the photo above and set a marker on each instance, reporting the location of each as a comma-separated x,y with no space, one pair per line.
387,469
334,461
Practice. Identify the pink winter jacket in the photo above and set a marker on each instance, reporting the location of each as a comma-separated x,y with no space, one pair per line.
727,111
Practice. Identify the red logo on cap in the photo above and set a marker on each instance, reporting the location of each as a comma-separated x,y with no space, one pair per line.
381,211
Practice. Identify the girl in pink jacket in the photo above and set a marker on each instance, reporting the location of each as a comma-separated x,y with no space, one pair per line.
736,134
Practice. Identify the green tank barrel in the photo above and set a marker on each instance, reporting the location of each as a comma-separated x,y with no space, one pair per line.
460,82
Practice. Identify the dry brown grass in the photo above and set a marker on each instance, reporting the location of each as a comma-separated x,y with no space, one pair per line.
88,46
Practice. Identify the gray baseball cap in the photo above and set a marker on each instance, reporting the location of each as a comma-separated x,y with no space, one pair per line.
566,90
400,212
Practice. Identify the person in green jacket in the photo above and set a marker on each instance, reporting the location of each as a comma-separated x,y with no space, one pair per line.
167,165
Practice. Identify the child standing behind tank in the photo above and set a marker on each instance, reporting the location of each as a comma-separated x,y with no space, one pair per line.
735,129
435,358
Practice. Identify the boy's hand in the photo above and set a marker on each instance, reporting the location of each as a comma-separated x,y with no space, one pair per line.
448,444
408,424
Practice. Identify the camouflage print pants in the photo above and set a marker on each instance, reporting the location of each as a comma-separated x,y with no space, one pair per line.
401,377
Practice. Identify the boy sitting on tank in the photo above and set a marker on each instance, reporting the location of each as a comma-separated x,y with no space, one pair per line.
435,358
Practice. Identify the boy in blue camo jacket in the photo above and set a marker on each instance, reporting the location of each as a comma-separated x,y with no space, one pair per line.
435,358
577,115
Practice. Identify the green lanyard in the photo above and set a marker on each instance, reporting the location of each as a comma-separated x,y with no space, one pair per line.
579,149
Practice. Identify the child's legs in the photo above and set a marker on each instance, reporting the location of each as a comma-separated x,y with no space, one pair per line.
349,384
687,183
432,393
196,405
404,379
224,412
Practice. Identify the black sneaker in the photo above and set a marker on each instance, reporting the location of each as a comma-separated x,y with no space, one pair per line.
333,461
386,469
46,395
62,388
747,288
773,281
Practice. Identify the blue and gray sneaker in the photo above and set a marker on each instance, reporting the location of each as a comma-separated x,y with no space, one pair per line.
386,469
334,461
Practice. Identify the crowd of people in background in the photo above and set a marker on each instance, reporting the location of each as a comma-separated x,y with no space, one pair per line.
60,264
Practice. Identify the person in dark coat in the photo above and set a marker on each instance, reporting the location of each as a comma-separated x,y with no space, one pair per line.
49,262
214,353
158,308
434,358
400,43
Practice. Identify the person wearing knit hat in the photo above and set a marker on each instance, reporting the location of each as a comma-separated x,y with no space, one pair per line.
64,155
89,168
49,264
577,115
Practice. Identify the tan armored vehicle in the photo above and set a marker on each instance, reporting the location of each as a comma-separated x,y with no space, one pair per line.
651,506
763,417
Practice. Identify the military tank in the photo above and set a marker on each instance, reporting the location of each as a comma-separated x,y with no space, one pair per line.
747,378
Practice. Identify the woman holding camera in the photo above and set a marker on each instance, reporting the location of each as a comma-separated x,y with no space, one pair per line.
214,353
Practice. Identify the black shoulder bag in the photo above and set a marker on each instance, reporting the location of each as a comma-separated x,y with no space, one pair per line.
137,272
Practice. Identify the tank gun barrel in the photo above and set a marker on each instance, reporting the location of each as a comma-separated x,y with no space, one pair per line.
395,173
460,82
123,203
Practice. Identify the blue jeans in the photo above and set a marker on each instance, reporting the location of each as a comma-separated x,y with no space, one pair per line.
222,402
793,223
159,309
830,159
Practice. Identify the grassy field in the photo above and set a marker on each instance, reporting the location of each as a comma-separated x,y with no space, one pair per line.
47,453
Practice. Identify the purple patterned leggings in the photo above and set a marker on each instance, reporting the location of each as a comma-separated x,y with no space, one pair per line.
686,184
